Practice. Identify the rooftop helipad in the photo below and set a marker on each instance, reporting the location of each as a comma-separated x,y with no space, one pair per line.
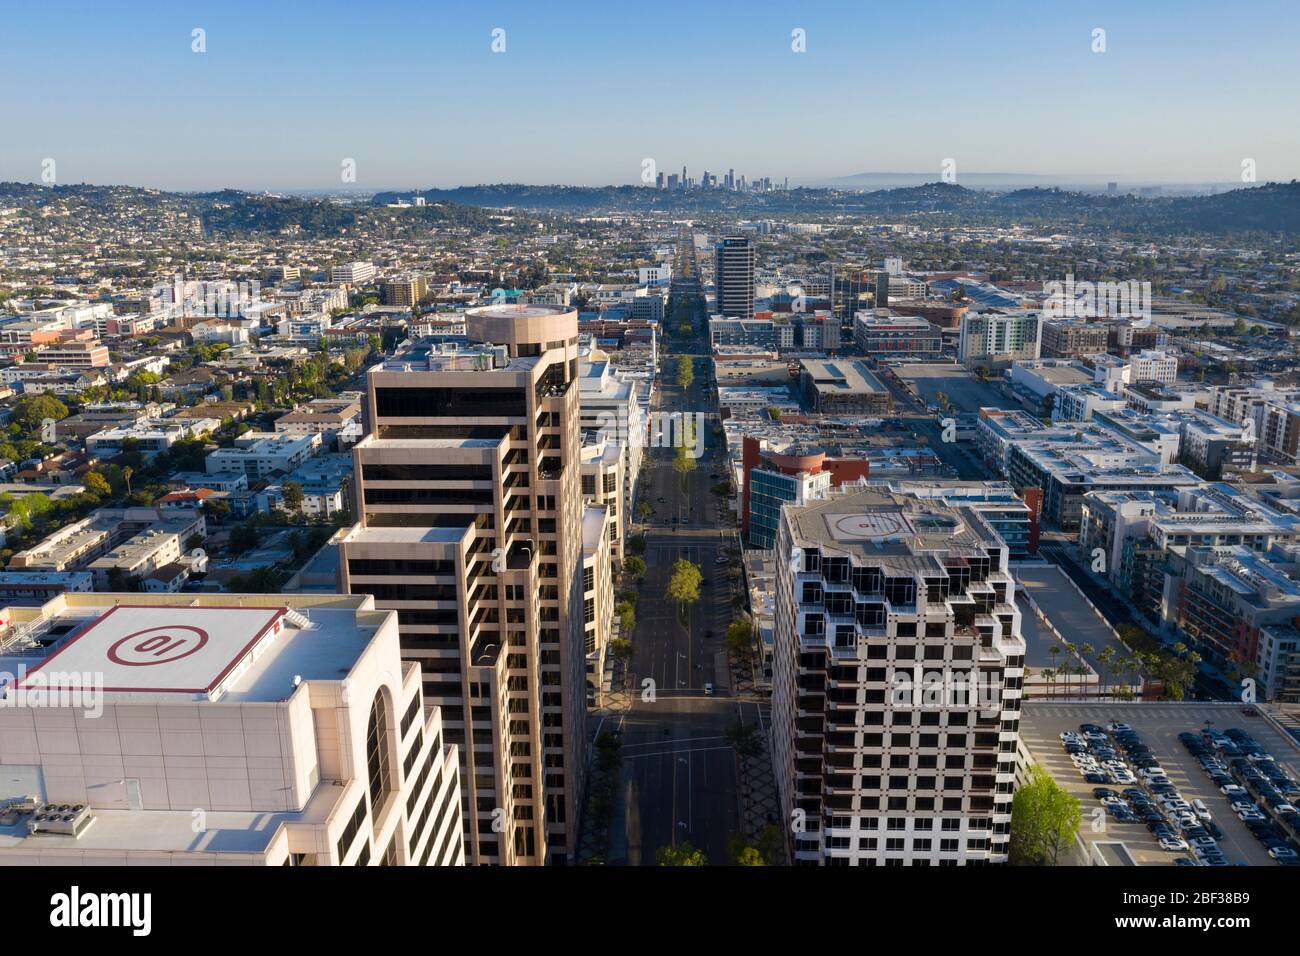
163,650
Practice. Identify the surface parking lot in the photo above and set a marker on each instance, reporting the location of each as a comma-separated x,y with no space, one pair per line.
1159,726
966,392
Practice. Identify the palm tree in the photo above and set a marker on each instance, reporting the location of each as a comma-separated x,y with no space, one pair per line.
1132,667
1087,651
1055,651
1105,657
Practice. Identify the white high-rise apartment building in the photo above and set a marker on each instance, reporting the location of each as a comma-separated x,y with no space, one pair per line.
897,672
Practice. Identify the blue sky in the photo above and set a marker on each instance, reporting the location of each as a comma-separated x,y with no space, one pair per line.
586,90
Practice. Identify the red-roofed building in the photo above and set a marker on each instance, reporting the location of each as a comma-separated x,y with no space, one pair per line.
187,499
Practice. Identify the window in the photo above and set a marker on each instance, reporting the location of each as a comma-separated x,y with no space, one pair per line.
351,829
377,744
449,402
426,472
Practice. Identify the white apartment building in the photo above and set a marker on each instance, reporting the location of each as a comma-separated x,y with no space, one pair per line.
149,437
897,671
998,338
604,462
353,273
1153,365
661,274
261,454
1274,414
78,545
597,596
608,401
263,730
138,557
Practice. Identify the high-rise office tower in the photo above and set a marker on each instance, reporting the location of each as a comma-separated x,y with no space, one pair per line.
735,277
468,492
848,294
881,299
897,672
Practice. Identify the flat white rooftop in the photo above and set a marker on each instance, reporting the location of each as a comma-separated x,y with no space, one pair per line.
399,535
229,652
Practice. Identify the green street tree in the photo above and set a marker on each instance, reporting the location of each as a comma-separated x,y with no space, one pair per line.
626,618
634,565
683,464
685,371
744,853
684,585
750,856
683,854
1044,820
740,636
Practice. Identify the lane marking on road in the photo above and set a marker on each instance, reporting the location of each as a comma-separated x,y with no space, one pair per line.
674,753
684,740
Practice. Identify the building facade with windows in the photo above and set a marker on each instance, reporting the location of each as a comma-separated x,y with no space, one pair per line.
734,276
261,730
897,672
467,489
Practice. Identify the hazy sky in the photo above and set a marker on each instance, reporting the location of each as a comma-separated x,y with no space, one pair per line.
584,91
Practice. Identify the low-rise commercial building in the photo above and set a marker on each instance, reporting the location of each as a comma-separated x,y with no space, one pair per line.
261,454
842,387
881,332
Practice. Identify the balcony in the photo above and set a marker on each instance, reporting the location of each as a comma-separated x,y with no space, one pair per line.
520,557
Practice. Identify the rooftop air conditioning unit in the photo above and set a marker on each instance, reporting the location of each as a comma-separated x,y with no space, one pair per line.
65,819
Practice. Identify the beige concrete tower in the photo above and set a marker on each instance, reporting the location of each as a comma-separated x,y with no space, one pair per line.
467,488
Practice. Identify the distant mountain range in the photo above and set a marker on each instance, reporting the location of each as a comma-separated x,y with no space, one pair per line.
1272,207
1008,181
896,180
232,211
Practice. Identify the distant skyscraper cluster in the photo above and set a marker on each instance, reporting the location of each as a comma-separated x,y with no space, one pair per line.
730,181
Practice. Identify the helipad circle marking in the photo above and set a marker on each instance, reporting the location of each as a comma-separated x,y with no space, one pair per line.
158,645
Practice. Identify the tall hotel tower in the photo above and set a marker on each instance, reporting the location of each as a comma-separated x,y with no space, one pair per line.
897,672
468,490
